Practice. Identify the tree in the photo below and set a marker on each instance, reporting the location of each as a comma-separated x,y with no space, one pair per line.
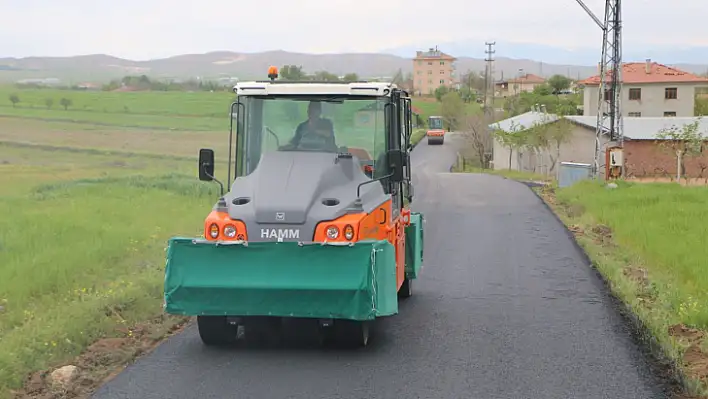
505,140
519,141
452,110
350,77
440,92
326,76
546,135
543,90
467,94
292,72
474,81
559,83
701,106
537,140
14,99
514,139
524,102
685,141
65,102
558,133
477,135
49,102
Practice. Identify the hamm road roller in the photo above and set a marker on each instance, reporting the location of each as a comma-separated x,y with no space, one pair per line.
314,224
436,132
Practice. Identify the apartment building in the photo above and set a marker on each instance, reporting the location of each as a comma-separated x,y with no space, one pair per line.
649,89
432,69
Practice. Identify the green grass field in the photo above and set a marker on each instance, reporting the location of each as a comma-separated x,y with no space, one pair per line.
81,247
194,104
649,241
195,111
89,198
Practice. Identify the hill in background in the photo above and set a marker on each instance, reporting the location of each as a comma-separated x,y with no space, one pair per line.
101,68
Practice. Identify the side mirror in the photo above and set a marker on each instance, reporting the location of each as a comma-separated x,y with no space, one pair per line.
411,192
396,164
206,164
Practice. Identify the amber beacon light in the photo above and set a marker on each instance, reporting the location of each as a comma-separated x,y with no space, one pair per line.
273,72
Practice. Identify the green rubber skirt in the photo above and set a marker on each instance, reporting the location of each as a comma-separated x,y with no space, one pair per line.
414,245
356,282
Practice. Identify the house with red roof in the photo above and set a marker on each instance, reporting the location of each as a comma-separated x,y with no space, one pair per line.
649,89
523,83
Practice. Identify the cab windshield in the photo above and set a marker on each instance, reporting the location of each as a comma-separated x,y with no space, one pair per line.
435,123
310,124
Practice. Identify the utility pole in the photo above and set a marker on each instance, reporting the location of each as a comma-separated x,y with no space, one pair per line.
609,93
489,78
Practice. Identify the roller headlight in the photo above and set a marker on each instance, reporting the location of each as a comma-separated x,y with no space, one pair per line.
332,232
230,231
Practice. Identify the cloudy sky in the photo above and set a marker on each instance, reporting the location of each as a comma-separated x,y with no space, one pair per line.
144,29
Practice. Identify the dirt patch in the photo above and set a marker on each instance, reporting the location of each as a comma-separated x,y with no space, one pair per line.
577,230
646,291
602,230
637,274
603,235
103,360
695,360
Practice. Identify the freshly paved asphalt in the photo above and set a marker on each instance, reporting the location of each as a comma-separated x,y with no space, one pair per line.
506,307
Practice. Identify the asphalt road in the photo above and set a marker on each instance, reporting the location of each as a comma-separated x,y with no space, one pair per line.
506,307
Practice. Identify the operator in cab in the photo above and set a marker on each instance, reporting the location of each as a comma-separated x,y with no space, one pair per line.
315,133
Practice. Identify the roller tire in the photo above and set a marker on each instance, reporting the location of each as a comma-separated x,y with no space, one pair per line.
406,290
351,333
216,331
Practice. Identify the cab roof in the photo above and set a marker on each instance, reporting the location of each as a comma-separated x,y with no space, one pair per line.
265,88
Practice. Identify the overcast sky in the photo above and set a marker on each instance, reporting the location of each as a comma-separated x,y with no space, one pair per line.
144,29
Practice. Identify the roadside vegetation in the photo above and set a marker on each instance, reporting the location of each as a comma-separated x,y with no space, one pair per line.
82,254
648,242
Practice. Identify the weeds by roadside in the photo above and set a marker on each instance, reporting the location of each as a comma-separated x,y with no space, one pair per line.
648,242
